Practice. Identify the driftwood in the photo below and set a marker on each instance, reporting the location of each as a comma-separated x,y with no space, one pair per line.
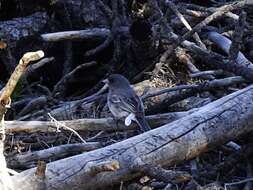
212,125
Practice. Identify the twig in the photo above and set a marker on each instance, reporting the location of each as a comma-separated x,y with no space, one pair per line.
216,60
200,86
167,90
32,68
233,145
237,183
95,136
203,74
60,125
105,9
19,70
188,61
173,7
219,12
248,185
34,104
188,92
237,37
101,47
60,87
162,60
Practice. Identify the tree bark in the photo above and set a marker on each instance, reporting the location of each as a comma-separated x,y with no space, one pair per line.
183,139
102,124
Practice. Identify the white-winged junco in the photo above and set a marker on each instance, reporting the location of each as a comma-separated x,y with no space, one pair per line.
124,103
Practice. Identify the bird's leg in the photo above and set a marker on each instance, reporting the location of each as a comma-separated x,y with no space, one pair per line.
116,120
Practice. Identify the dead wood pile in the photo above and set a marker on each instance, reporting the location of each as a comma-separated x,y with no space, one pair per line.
189,61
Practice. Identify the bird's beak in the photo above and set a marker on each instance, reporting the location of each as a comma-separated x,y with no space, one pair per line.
106,81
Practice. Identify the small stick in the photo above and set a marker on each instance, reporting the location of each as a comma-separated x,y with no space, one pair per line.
173,7
219,12
199,87
60,125
206,73
237,183
237,37
19,70
32,68
61,85
188,61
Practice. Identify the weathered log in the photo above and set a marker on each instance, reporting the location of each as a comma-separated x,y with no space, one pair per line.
104,124
31,70
23,27
34,104
67,110
212,125
197,88
30,159
89,34
61,86
83,13
225,43
218,13
215,60
5,101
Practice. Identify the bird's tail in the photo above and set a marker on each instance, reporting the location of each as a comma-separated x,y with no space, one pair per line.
143,124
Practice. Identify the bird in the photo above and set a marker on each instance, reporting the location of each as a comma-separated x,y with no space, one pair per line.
124,103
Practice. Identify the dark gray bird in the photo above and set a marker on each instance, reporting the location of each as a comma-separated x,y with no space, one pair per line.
124,103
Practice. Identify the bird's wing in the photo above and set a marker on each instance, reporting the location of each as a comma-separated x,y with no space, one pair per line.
130,104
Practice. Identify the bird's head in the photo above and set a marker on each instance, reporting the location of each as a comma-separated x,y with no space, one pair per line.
116,81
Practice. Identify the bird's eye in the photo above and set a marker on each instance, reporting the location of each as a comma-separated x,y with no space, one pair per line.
111,80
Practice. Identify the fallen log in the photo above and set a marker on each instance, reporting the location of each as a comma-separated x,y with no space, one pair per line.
22,27
216,60
30,159
104,124
95,33
224,43
183,139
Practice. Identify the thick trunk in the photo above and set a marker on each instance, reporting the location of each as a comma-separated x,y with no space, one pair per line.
183,139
